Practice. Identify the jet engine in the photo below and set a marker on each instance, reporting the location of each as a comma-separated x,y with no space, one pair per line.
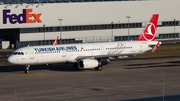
88,63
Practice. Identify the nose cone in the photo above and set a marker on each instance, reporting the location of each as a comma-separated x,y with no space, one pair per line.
11,59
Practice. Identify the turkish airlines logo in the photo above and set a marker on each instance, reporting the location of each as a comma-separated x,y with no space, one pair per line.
149,32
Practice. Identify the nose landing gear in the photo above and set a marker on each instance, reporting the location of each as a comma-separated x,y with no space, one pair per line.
27,69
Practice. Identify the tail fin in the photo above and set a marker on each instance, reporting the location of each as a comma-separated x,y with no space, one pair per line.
149,32
55,42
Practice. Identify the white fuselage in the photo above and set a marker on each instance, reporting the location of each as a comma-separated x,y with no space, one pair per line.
48,54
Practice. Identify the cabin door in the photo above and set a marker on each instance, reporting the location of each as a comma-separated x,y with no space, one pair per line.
63,53
31,54
102,50
140,47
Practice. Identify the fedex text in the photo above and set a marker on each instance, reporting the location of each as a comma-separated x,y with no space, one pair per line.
25,17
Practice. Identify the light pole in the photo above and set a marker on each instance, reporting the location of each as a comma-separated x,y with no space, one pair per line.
44,32
112,31
60,30
128,25
174,28
119,24
119,28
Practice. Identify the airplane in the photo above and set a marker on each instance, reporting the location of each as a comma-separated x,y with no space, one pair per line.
87,55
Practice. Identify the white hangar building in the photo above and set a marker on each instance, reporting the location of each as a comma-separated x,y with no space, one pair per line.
41,21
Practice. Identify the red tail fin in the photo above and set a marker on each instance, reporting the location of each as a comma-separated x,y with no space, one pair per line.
55,42
150,30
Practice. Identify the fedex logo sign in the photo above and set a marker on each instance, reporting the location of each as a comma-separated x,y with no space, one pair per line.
25,17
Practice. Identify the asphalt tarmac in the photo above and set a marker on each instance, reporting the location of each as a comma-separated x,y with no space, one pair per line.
119,80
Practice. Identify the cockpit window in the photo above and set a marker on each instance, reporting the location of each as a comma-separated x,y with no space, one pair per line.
22,53
18,53
15,53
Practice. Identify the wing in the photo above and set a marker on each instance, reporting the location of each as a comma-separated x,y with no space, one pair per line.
106,56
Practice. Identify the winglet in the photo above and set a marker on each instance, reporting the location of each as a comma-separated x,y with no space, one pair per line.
155,48
55,42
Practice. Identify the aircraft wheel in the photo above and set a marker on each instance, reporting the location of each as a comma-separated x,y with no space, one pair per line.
76,66
27,71
99,68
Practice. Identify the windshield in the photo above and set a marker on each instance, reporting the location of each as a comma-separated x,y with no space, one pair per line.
18,53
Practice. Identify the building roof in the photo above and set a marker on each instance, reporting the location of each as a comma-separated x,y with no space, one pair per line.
53,1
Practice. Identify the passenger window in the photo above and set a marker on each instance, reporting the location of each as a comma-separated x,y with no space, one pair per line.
22,53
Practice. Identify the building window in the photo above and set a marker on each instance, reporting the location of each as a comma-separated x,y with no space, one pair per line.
93,27
170,35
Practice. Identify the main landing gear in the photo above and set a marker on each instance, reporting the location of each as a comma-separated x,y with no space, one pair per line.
76,66
99,68
27,69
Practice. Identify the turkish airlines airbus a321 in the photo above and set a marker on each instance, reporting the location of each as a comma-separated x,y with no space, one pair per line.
87,55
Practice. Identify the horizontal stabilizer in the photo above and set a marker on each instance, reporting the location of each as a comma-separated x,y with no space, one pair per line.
155,48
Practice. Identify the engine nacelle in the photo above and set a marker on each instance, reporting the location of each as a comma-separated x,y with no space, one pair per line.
88,63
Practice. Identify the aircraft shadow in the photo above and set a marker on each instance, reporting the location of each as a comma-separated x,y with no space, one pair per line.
15,68
69,67
54,67
173,62
155,66
62,67
156,98
143,64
